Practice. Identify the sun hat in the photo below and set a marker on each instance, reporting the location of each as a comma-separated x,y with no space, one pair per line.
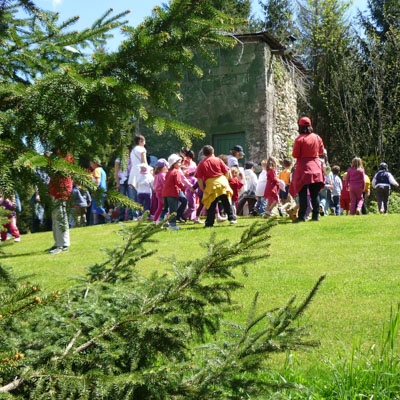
173,158
161,163
238,148
96,160
305,121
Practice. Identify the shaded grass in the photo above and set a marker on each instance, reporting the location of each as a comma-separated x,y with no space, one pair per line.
358,254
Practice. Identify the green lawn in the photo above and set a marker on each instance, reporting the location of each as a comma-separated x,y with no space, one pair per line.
358,255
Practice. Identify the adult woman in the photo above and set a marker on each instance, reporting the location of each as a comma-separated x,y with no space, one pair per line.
137,157
308,176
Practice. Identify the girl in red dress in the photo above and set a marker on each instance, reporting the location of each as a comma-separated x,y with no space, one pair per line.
271,192
235,185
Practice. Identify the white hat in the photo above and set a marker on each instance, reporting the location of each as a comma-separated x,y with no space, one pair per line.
173,158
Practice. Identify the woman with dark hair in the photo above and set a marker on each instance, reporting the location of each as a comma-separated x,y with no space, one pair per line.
308,176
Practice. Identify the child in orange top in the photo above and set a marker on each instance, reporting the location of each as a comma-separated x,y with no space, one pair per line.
272,187
285,177
235,185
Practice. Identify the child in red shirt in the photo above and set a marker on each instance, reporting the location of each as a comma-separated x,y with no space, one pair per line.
271,192
235,185
170,192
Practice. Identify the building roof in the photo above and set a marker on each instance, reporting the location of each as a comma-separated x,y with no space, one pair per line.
273,43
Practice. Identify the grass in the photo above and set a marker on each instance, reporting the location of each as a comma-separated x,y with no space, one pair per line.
358,254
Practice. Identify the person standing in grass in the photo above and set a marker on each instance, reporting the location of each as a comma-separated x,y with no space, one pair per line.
272,187
355,182
309,175
100,179
160,173
172,185
60,189
10,205
337,187
381,182
212,175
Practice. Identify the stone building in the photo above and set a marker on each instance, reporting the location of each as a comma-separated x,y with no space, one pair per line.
248,98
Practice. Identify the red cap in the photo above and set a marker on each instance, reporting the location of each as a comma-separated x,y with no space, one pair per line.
305,121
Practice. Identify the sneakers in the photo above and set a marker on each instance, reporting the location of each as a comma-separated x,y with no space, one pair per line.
50,248
58,250
221,219
18,239
197,221
233,221
174,228
358,211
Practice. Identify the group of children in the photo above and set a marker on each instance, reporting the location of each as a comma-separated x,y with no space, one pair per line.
172,187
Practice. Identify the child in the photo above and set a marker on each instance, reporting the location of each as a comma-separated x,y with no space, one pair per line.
236,154
9,204
355,182
144,186
285,177
381,182
249,196
325,195
272,186
337,187
80,201
159,179
344,198
262,182
191,196
172,185
235,185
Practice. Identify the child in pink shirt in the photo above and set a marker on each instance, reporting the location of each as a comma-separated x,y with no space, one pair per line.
160,172
355,183
11,225
271,192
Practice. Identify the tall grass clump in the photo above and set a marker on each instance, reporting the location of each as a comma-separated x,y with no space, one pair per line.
363,373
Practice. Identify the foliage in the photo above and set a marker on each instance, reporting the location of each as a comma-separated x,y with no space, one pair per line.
364,371
123,334
59,88
278,18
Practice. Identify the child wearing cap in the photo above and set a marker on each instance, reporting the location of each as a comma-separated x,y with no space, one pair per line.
381,182
236,154
160,172
144,186
172,185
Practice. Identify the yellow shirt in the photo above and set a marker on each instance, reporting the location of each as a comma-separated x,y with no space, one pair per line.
367,184
285,176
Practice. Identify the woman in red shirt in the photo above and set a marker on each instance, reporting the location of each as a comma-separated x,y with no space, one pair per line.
308,175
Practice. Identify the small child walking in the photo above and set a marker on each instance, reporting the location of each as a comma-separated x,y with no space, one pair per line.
355,182
160,172
81,199
10,205
337,187
191,195
144,186
235,185
271,192
172,186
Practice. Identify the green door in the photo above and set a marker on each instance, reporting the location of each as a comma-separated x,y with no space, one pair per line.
223,143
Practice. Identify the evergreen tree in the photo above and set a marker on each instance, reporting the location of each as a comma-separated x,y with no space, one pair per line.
278,18
121,334
54,94
325,43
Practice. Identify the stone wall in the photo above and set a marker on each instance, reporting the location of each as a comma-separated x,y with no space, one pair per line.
249,91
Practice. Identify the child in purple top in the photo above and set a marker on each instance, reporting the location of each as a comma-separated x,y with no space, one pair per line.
191,195
355,182
11,225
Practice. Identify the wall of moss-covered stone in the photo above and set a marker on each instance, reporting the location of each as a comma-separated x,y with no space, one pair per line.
249,91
